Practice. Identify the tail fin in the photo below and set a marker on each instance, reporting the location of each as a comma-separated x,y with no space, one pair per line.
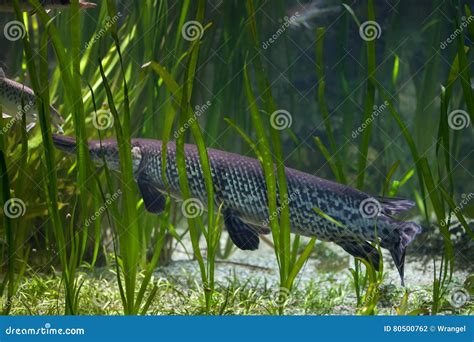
394,205
408,231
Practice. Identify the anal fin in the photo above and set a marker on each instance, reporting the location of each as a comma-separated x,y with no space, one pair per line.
363,250
242,234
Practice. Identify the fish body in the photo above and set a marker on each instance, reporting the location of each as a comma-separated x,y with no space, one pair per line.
239,185
18,100
303,14
7,5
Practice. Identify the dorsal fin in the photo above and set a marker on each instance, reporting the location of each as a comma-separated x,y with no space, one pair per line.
394,205
2,73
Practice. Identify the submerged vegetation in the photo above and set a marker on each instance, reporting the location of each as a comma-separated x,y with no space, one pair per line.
375,96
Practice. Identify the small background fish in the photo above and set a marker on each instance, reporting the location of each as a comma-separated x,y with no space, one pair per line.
17,99
304,13
7,5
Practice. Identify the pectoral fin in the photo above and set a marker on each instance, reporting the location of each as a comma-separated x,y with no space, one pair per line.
154,200
242,234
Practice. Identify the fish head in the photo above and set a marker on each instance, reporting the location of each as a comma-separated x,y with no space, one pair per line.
101,151
105,152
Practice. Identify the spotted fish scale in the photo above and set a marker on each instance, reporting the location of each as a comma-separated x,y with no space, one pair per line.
14,94
239,184
18,100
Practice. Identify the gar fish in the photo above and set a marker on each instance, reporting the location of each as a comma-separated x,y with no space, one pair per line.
240,187
7,5
18,100
302,14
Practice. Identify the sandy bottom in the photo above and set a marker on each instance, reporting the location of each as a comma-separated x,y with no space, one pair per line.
328,271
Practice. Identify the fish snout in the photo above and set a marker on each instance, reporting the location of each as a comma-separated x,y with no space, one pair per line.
106,151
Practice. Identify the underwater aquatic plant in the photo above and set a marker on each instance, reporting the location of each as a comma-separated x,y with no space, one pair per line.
366,102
